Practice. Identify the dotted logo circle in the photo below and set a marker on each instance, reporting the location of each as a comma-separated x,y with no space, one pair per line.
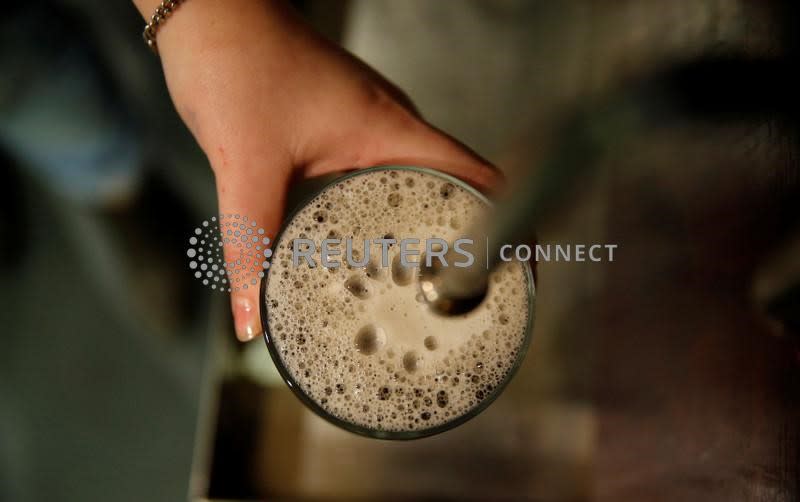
248,252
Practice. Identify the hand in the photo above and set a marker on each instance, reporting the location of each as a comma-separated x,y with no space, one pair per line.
265,96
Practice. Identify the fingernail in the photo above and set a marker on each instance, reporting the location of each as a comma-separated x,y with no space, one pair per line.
245,319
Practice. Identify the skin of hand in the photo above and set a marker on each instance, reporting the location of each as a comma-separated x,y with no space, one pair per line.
267,98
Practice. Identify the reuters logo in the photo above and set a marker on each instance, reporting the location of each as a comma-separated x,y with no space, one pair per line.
248,252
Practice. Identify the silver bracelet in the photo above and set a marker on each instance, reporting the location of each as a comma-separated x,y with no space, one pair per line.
160,16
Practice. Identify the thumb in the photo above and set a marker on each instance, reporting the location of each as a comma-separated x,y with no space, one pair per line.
412,141
251,197
399,137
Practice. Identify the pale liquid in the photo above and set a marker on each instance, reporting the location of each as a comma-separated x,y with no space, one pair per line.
361,343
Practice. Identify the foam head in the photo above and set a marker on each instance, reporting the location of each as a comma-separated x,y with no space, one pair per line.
360,341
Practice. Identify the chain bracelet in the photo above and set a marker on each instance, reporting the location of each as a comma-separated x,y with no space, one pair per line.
163,11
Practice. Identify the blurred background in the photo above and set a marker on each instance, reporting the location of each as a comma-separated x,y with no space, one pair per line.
672,373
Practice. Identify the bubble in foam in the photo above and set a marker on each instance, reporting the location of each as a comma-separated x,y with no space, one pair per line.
431,343
357,341
370,339
357,286
401,275
412,361
394,199
320,216
442,399
374,270
447,190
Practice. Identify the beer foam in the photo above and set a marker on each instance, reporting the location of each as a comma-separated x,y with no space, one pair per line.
361,342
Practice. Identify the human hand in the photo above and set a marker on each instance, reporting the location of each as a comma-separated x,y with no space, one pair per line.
265,96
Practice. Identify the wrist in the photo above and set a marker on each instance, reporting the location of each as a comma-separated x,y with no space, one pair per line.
212,40
196,25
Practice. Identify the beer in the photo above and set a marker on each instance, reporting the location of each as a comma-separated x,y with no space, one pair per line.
356,341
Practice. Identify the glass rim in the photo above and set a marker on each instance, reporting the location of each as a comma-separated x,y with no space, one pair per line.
365,431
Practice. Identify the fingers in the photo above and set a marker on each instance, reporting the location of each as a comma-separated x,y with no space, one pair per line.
397,136
255,184
416,143
251,187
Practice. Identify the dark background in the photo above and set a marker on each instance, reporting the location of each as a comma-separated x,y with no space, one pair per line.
669,374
